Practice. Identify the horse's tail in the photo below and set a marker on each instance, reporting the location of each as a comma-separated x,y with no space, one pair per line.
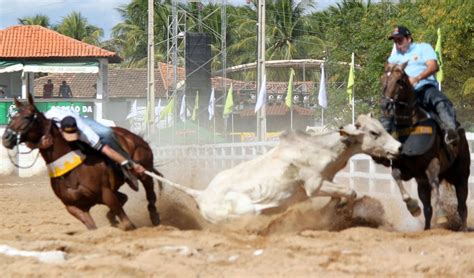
190,191
156,172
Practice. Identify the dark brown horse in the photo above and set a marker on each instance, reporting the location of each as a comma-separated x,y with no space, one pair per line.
424,155
94,181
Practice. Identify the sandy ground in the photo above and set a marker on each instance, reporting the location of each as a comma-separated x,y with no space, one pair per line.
311,239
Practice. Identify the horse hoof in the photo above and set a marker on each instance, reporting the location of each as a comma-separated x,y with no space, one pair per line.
126,227
155,219
111,217
413,207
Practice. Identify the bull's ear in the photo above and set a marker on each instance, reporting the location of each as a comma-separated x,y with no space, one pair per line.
18,104
349,130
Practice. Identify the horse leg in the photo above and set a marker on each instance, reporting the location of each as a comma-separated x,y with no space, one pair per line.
83,216
424,192
461,194
432,173
110,199
412,204
111,216
148,184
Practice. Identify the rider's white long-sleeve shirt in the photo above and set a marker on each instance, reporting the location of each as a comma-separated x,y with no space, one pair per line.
87,135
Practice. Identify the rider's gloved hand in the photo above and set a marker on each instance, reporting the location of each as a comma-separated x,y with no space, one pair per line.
130,165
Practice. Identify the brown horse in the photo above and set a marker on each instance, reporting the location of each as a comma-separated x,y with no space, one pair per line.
424,155
94,181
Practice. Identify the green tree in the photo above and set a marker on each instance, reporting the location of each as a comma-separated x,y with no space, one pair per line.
39,19
76,26
130,35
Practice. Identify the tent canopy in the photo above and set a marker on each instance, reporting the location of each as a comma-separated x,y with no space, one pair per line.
49,67
10,66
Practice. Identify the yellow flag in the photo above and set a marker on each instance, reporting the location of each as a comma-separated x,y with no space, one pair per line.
196,107
439,74
289,93
350,82
167,110
229,102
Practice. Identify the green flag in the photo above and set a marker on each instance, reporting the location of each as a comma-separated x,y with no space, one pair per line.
167,110
350,82
439,74
229,102
196,107
289,93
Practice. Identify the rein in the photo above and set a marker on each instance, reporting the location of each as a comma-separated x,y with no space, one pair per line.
18,138
390,105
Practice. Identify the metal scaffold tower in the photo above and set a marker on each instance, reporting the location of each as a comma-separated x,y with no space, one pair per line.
176,34
176,44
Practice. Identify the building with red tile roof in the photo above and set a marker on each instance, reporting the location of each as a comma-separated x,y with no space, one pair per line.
26,51
37,42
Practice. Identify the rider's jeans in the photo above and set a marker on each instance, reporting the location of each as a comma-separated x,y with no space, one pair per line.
106,135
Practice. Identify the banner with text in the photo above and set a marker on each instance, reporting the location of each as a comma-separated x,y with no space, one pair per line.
86,109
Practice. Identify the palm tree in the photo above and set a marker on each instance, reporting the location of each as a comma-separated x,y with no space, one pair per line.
288,31
76,26
287,34
39,19
131,34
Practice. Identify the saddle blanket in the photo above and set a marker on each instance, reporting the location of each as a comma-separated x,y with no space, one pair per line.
65,163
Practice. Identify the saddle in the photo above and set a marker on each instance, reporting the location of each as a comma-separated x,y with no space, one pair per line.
417,139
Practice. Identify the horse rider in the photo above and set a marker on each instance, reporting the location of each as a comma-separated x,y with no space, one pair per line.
73,127
421,68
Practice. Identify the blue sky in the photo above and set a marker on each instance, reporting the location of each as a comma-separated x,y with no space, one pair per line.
100,13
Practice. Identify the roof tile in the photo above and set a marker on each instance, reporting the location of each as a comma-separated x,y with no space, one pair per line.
34,41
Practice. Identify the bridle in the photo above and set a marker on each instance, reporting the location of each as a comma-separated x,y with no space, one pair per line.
18,135
392,104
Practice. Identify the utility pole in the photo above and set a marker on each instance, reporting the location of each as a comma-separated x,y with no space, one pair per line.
174,50
261,114
151,71
224,56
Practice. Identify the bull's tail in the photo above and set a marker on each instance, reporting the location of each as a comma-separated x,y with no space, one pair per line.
192,192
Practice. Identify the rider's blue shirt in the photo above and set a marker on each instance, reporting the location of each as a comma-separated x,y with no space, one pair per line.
416,56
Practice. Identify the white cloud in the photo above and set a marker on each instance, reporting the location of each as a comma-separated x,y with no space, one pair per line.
101,13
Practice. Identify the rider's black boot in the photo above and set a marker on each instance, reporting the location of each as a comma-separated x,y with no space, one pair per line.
446,113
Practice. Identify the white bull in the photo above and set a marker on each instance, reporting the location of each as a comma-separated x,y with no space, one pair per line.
300,163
